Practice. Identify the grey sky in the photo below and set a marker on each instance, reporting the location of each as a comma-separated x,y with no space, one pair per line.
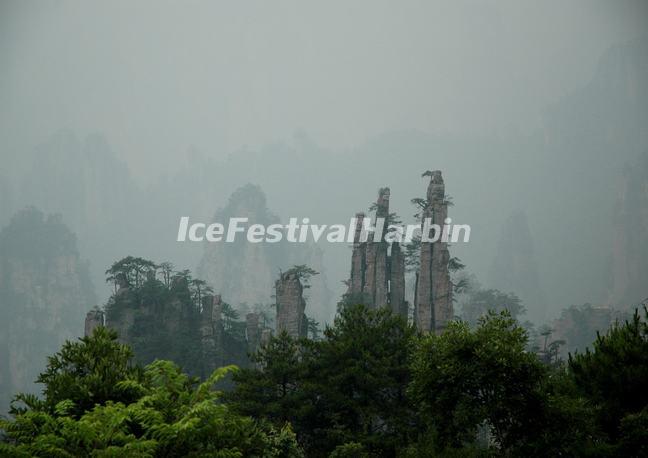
463,86
159,77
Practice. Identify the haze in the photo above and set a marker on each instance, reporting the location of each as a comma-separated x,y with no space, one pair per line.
320,105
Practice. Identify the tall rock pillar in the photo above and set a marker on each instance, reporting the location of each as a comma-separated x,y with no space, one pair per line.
290,305
381,270
377,276
433,306
369,280
252,331
211,334
358,260
397,280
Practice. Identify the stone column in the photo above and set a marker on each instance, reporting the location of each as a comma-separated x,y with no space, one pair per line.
290,305
397,281
423,312
381,287
211,334
369,287
378,277
434,289
252,331
356,282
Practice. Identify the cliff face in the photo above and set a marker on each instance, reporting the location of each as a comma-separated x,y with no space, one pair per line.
244,272
433,297
514,267
378,267
175,318
377,276
291,305
44,291
211,334
84,180
629,264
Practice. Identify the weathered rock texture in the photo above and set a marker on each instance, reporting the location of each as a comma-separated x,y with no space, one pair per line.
629,266
377,267
211,334
172,320
252,331
121,310
433,296
45,290
291,305
397,280
244,273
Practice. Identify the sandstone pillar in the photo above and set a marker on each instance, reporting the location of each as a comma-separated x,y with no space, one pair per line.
211,334
290,305
434,289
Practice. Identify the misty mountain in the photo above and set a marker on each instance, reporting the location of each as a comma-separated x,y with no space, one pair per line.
45,290
245,273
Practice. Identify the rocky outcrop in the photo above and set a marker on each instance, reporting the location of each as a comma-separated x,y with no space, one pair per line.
290,305
121,310
514,266
629,263
377,276
433,296
244,273
176,318
252,331
397,300
45,290
83,179
358,260
211,334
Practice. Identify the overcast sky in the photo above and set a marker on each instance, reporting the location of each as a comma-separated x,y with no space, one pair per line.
462,86
160,77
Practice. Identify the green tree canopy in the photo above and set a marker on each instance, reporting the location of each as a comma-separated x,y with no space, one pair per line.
165,414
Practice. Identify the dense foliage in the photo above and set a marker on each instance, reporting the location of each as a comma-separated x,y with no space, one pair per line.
481,301
151,411
371,386
614,376
45,289
347,387
158,312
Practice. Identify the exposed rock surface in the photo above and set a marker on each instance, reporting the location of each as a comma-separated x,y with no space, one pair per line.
433,297
243,272
396,269
84,180
44,292
377,276
211,334
121,310
252,331
629,248
290,305
171,320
